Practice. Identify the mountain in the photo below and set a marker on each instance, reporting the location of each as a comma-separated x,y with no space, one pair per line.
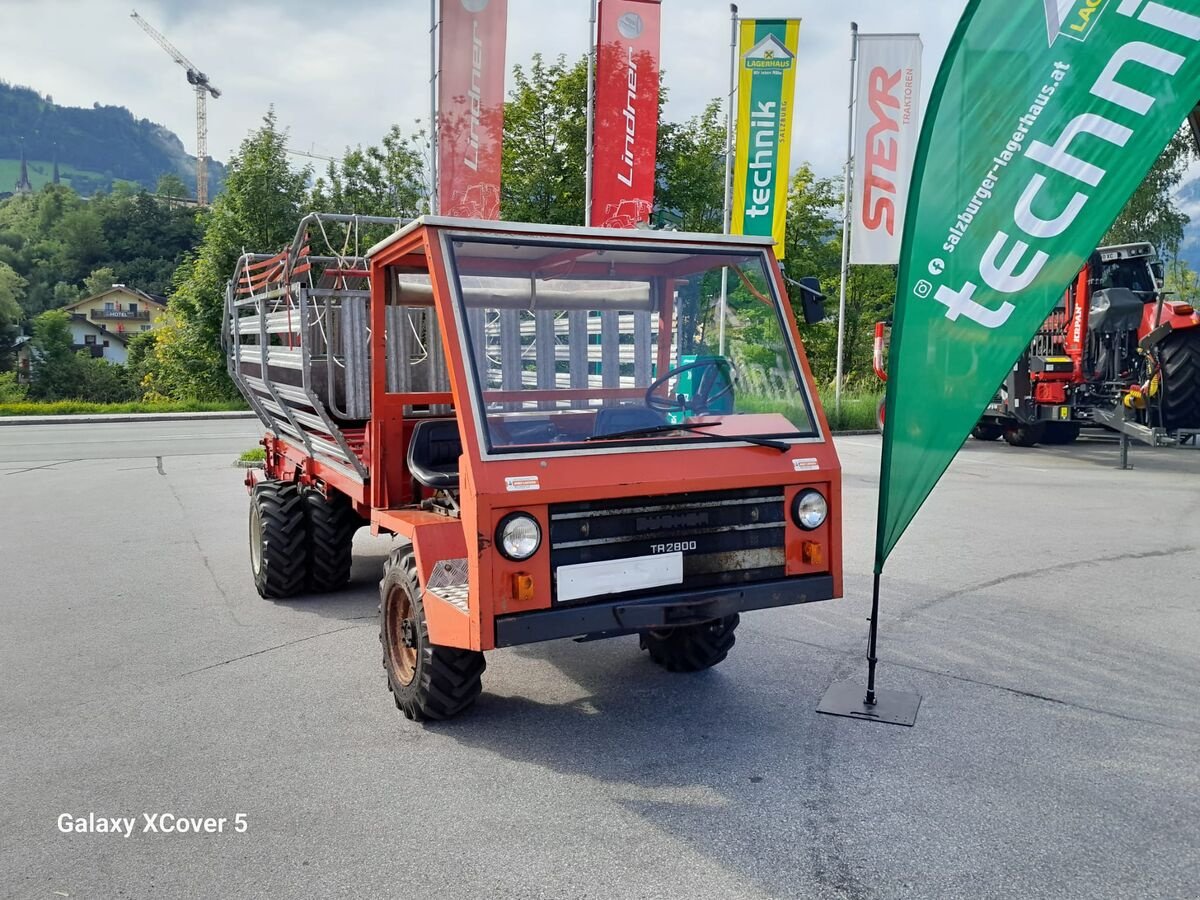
93,147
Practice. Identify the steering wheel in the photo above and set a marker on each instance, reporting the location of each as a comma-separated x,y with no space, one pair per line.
712,372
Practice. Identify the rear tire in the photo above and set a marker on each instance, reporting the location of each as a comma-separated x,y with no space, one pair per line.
1024,435
1179,355
332,522
987,431
427,681
691,648
278,540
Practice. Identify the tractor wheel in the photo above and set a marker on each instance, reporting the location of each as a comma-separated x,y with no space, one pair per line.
691,648
427,682
332,522
1061,433
987,431
1179,354
1028,435
278,539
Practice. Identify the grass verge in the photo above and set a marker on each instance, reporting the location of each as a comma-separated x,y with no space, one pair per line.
858,410
80,407
256,454
857,413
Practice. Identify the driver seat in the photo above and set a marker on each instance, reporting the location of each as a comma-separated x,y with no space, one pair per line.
433,452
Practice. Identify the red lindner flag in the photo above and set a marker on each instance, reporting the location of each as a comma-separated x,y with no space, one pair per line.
471,107
626,117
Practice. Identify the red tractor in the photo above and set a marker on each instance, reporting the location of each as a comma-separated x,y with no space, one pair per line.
1116,352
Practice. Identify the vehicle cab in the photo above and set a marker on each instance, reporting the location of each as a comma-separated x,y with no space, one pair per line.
640,441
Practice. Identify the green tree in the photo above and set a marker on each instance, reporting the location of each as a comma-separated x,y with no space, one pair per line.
56,373
1151,213
691,170
545,131
259,209
171,185
384,180
1183,282
100,280
12,292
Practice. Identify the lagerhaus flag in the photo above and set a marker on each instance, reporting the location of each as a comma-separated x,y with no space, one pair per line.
1045,116
766,87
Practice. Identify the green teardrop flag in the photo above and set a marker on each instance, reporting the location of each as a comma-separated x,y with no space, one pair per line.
1045,116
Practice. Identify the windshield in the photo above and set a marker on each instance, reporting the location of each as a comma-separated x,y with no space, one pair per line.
582,344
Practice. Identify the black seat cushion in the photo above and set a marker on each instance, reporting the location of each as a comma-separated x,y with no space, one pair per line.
433,453
615,419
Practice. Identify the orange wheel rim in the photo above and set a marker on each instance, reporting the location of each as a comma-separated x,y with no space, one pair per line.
402,630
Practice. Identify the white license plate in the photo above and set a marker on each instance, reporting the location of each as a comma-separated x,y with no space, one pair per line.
617,576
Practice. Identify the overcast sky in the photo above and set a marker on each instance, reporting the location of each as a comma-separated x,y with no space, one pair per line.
340,72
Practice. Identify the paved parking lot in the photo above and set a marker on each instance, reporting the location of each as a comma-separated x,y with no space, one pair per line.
1045,605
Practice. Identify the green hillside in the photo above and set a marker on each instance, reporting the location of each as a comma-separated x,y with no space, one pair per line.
41,173
94,147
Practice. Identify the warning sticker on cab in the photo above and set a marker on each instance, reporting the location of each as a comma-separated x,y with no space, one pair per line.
805,465
523,483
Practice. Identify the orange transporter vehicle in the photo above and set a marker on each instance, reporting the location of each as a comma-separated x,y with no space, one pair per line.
569,432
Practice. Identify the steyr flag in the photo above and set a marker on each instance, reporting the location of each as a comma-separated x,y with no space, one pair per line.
1043,120
766,87
887,123
626,134
471,107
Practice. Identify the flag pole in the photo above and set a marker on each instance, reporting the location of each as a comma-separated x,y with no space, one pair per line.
846,698
733,30
433,123
841,336
591,117
872,636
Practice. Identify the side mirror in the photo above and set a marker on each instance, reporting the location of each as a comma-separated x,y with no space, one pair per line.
1160,272
812,300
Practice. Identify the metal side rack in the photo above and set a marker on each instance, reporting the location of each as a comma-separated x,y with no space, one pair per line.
296,333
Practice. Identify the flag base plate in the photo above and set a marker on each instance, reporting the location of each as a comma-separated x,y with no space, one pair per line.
847,698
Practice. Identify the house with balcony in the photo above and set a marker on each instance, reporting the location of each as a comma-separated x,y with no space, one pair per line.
104,323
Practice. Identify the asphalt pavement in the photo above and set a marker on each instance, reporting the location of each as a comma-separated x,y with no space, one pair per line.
1044,604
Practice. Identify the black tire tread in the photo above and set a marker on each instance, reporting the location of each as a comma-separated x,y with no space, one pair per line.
692,648
1179,355
987,431
448,679
332,522
1023,435
284,571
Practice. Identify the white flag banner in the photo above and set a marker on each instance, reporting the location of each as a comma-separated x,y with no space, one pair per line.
887,126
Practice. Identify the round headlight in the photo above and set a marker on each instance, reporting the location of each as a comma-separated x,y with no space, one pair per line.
518,536
809,509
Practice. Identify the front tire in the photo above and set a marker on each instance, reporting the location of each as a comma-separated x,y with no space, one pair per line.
427,681
1179,356
278,540
691,648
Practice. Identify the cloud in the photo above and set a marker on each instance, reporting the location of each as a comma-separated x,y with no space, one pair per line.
339,74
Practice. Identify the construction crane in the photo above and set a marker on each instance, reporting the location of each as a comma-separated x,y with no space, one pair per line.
203,88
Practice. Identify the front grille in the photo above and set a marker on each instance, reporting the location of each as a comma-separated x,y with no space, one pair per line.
726,537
